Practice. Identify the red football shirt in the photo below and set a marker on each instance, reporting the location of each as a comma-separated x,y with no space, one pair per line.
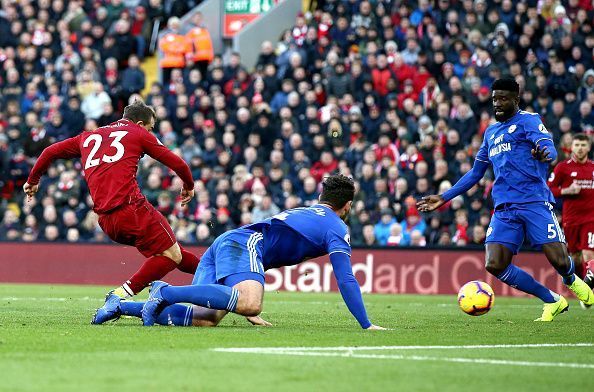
110,156
577,209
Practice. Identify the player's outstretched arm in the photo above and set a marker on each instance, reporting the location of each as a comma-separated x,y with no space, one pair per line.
349,289
468,180
66,149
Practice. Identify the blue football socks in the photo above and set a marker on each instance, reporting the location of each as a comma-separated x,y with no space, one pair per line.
179,315
212,296
521,280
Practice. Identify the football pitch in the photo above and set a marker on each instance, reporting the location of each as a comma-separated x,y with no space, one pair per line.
47,343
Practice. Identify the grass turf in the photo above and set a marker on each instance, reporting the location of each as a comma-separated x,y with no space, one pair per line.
46,343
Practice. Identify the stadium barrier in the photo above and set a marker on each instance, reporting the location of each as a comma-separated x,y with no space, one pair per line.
387,271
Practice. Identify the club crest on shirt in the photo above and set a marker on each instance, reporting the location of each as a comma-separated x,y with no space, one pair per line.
574,174
542,128
512,128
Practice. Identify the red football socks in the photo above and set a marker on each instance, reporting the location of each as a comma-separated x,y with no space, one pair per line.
154,268
189,262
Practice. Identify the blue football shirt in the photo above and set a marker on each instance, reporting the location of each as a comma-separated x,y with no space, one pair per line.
519,178
293,236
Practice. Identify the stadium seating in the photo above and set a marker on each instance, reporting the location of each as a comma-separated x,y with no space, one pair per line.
395,93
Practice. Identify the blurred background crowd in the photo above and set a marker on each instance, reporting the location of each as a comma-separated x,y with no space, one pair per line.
394,93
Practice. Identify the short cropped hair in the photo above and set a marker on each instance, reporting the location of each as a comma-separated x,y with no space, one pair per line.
581,136
506,84
139,111
337,190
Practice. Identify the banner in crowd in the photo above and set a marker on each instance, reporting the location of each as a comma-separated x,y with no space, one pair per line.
239,13
385,271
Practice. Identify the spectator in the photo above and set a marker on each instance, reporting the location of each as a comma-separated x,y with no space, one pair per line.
175,48
369,236
265,209
383,229
133,80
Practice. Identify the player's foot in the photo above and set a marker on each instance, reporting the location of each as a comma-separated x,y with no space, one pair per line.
582,291
154,304
549,311
109,311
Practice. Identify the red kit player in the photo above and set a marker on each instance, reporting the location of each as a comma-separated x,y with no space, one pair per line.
573,180
110,156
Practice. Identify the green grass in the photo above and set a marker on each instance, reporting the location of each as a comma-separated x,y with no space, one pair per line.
46,343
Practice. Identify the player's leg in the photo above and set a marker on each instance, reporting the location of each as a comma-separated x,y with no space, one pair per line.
556,253
244,298
173,315
579,263
572,238
543,230
184,315
147,229
499,263
587,247
156,241
504,238
153,268
237,255
589,278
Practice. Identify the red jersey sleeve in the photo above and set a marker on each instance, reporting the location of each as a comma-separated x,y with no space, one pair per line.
66,149
153,147
555,179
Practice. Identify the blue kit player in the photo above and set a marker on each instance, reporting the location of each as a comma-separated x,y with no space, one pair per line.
520,148
230,276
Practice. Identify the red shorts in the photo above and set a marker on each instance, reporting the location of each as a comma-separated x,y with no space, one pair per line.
579,237
139,225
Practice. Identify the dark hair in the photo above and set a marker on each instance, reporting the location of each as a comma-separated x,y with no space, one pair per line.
139,111
337,190
506,84
581,136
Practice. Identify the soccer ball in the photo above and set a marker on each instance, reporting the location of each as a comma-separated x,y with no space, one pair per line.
476,298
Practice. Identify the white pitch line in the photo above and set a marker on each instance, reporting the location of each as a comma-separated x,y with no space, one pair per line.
350,352
426,358
363,348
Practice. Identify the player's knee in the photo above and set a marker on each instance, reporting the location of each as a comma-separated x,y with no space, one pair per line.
494,266
174,253
249,307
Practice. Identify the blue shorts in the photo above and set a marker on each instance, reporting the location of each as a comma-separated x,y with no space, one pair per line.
234,256
536,221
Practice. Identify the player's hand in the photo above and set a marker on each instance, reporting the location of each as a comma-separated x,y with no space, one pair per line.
258,321
573,189
30,190
541,154
186,196
376,328
430,203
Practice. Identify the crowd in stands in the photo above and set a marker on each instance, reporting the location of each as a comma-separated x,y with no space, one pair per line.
394,93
